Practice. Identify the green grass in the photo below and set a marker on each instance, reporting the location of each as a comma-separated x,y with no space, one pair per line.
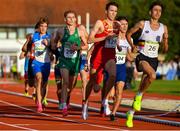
158,86
163,87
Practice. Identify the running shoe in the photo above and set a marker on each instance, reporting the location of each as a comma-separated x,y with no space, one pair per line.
102,111
129,119
44,102
107,110
39,107
112,117
34,96
60,106
137,103
26,94
85,111
64,111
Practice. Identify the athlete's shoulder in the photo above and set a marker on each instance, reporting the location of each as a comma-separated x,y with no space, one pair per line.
141,23
81,27
100,22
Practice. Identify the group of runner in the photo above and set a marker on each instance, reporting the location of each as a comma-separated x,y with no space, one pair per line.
111,47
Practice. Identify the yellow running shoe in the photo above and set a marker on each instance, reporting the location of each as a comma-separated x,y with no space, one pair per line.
26,94
34,96
129,119
44,102
137,103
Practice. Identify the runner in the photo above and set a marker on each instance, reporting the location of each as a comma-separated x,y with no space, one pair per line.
84,66
103,55
73,40
57,74
26,53
121,57
26,72
41,63
153,35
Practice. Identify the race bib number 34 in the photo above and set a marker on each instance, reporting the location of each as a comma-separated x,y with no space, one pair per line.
111,43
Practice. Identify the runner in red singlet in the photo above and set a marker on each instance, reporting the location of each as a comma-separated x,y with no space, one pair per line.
103,55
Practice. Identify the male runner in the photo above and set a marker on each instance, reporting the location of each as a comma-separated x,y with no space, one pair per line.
154,34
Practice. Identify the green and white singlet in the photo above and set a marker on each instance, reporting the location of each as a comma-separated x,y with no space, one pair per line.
70,59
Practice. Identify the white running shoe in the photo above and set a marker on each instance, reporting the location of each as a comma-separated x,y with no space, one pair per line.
85,111
107,110
60,106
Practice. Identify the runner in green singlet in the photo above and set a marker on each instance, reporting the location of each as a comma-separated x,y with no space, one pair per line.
73,40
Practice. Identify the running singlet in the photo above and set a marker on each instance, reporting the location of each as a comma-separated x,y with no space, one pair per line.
40,50
67,41
150,39
104,50
121,55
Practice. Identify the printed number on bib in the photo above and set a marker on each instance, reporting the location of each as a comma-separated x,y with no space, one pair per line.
111,43
151,49
69,53
120,59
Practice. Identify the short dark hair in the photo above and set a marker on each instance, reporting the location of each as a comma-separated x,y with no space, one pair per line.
36,25
42,20
122,18
159,3
69,11
111,3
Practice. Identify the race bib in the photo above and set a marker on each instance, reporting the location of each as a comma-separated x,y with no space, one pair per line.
111,43
120,58
151,49
68,53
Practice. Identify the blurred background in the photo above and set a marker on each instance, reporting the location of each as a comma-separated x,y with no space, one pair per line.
18,18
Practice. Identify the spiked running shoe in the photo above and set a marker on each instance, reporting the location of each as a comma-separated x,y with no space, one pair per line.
107,110
129,119
137,103
34,96
39,107
60,106
85,111
44,102
112,117
26,94
65,111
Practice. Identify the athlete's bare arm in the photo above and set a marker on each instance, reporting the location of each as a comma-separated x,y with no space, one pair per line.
98,28
165,39
55,38
28,41
90,52
84,36
129,56
138,26
22,55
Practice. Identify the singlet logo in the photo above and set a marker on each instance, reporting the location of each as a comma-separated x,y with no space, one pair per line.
146,31
158,38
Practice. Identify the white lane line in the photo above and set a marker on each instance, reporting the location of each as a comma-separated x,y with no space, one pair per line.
20,127
17,116
58,118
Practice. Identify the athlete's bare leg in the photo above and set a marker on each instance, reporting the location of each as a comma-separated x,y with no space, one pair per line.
118,96
84,75
90,84
149,78
110,67
65,84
